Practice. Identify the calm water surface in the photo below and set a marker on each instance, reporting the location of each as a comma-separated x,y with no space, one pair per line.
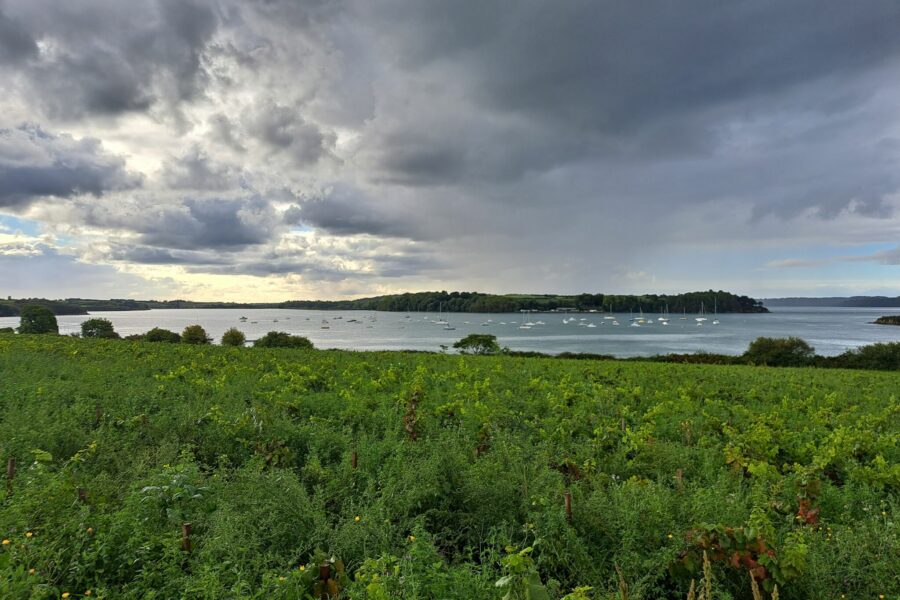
830,330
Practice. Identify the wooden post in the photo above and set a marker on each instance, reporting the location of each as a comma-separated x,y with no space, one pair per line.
10,473
622,424
186,537
354,459
569,507
679,479
98,415
82,495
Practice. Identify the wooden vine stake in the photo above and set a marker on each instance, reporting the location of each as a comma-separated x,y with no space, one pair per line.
98,415
354,460
82,495
679,479
186,537
569,507
10,473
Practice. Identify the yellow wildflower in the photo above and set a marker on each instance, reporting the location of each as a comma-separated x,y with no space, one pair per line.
357,518
281,579
65,594
90,531
670,536
412,538
28,534
302,567
31,571
88,593
6,542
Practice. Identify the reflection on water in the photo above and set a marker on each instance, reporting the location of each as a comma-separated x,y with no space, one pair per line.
829,330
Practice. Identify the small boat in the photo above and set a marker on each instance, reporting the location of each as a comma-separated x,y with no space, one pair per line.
591,325
242,319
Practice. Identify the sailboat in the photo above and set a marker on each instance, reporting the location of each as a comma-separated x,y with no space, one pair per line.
701,318
523,324
440,319
715,320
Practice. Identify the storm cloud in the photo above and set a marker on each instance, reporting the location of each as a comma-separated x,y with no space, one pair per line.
531,146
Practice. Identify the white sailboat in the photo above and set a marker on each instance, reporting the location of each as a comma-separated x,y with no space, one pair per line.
702,316
715,320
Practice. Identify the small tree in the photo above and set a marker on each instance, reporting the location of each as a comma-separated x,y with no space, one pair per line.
780,352
233,337
162,335
195,334
98,328
37,319
478,343
280,339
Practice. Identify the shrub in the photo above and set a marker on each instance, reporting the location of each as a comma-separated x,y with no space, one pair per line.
884,357
162,335
98,328
478,343
195,334
780,352
233,337
281,339
37,319
7,330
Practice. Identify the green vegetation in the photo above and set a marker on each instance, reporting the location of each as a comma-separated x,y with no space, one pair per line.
195,334
413,475
233,337
280,339
158,334
490,303
780,352
432,301
37,319
98,328
888,320
478,343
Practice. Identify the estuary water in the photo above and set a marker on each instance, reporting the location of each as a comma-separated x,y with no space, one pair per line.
830,330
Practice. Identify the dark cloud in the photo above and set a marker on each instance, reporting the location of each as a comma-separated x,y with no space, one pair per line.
148,255
346,211
36,164
106,57
284,130
16,44
195,170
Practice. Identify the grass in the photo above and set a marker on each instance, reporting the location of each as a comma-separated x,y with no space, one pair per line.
789,476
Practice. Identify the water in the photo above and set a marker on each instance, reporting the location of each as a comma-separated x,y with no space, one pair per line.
830,330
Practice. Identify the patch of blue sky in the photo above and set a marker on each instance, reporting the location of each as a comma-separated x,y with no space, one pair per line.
11,224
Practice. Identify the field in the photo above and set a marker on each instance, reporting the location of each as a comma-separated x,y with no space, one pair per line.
406,475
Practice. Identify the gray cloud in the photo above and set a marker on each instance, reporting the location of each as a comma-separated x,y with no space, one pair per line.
106,57
16,44
36,164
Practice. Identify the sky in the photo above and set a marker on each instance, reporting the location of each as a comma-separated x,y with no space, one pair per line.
266,150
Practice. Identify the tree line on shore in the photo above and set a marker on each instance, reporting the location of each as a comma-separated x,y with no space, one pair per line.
763,351
724,302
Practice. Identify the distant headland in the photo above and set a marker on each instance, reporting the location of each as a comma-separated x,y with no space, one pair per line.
836,301
691,302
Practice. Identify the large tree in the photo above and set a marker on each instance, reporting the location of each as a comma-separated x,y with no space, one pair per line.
37,319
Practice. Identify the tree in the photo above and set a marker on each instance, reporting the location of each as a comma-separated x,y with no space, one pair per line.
780,352
233,337
195,334
98,328
37,319
478,343
162,335
280,339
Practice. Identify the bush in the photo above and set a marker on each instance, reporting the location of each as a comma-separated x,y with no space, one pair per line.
7,330
780,352
885,357
281,339
98,328
37,319
195,334
478,343
233,337
162,335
